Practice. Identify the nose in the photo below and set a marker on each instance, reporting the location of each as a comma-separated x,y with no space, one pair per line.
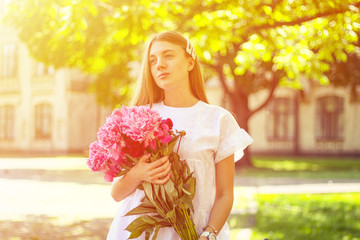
160,63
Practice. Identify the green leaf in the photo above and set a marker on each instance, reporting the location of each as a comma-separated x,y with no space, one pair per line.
156,232
267,10
149,193
158,198
188,202
141,210
171,192
155,157
120,34
170,214
132,159
137,227
148,219
163,193
186,191
190,185
167,148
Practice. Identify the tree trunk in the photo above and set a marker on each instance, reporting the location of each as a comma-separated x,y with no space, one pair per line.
296,123
239,101
239,107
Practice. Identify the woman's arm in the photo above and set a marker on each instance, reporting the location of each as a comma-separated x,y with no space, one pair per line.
224,194
157,172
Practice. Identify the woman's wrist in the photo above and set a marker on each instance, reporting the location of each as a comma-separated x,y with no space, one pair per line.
208,235
135,176
210,228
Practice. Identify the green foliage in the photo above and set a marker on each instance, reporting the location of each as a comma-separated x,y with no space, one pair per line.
99,37
347,73
298,37
248,38
308,216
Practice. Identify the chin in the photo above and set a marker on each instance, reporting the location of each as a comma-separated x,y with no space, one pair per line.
164,86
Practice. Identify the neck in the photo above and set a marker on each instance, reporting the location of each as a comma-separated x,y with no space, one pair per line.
180,100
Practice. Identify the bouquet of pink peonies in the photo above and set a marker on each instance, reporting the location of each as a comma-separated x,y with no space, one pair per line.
128,134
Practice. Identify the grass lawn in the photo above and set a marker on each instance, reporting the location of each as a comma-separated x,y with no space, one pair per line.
297,216
310,217
303,167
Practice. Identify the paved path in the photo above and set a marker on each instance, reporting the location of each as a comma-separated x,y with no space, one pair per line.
306,188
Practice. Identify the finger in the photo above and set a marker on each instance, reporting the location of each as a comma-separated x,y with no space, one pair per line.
159,162
145,157
160,169
164,180
161,174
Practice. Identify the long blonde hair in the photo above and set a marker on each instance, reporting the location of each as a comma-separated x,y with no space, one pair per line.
147,92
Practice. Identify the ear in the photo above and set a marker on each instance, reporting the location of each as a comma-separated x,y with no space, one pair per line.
191,64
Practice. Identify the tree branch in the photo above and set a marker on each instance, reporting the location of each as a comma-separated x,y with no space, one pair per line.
301,20
219,69
274,85
256,29
273,4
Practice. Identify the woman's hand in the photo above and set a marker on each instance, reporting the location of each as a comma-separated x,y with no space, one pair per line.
157,172
202,238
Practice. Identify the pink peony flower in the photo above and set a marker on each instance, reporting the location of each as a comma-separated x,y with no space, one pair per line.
141,124
168,122
112,169
97,157
110,136
130,130
164,132
133,148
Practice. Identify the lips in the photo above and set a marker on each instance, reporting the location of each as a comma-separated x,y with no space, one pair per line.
162,75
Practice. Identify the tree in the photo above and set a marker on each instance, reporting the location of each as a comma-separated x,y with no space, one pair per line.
347,73
275,43
253,45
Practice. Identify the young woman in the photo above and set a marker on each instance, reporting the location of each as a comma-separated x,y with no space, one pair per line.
171,83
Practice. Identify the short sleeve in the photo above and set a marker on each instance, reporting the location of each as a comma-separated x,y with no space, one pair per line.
232,140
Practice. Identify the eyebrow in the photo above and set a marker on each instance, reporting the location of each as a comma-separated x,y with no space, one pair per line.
163,52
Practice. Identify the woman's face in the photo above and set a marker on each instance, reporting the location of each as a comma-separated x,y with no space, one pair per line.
170,66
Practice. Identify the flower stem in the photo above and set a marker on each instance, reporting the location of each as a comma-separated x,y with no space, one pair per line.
184,226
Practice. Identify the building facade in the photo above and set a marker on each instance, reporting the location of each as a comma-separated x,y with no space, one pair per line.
43,110
320,121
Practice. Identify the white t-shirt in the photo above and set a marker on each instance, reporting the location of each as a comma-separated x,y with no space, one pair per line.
212,134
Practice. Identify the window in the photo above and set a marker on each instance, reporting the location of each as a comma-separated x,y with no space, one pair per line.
9,60
42,69
280,124
330,118
43,117
7,123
